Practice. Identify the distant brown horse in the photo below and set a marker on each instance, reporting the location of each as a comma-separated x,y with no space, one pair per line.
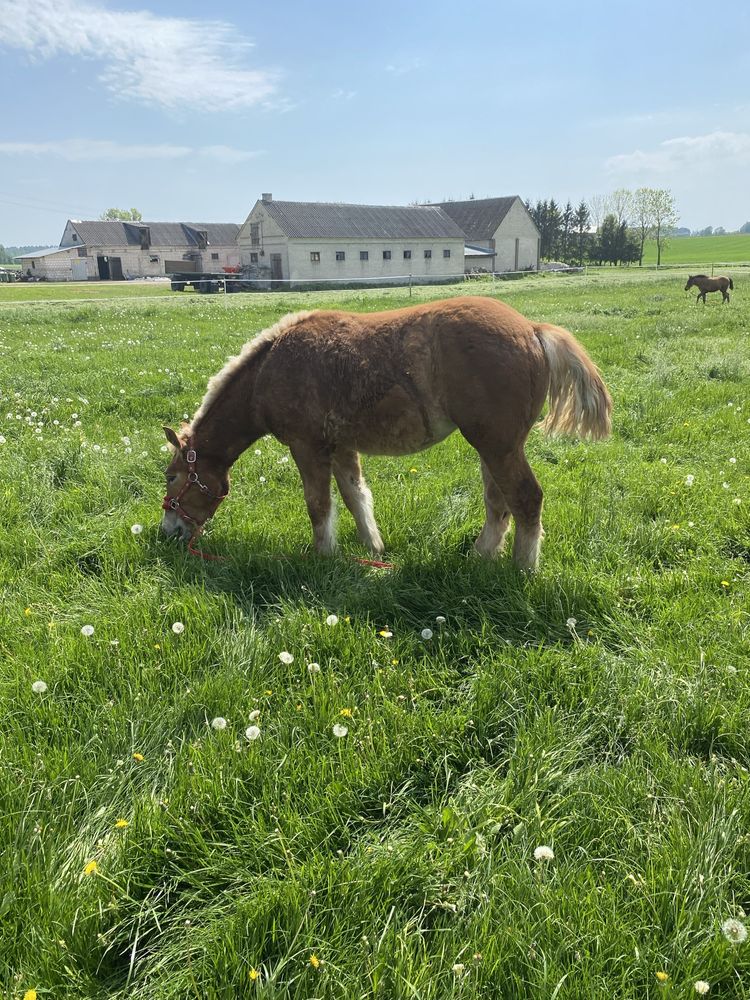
333,384
706,284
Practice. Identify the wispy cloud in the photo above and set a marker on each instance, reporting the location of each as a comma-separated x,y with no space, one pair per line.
86,150
686,152
409,64
176,63
343,95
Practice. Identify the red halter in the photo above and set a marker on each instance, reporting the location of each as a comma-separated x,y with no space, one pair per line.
173,503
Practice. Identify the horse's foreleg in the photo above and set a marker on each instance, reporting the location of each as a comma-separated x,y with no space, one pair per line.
492,536
358,498
314,464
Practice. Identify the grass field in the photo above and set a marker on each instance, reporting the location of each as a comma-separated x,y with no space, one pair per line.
702,250
600,708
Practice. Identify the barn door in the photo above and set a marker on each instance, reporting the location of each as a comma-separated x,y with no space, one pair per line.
115,269
276,266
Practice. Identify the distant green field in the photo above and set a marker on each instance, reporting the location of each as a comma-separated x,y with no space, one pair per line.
701,250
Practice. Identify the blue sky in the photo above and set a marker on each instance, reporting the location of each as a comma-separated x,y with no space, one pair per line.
189,116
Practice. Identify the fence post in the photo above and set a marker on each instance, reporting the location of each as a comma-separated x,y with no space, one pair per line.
410,284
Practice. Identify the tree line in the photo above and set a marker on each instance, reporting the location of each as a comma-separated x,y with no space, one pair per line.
608,229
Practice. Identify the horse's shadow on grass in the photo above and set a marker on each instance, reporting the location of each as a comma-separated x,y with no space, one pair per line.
490,597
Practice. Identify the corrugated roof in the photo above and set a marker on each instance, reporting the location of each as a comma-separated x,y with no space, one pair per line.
478,217
42,253
111,232
334,220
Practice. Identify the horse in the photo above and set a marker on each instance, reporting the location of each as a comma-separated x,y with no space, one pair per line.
331,385
706,284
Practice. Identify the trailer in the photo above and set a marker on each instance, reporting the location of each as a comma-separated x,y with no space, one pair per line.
229,280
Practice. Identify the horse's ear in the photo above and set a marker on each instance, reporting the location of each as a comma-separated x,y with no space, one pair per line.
172,438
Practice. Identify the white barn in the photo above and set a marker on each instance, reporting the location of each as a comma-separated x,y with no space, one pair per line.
309,241
501,226
113,250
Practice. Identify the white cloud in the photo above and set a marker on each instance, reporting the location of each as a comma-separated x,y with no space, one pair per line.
686,152
86,150
171,62
408,64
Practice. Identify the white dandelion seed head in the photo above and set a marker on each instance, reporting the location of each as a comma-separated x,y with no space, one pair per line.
734,930
136,529
440,619
252,733
426,634
663,461
255,714
286,657
689,479
39,687
87,630
571,623
313,668
339,731
2,439
544,853
459,968
332,620
701,987
725,486
219,722
732,461
178,628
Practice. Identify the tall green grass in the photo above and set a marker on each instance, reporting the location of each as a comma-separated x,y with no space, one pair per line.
600,708
701,250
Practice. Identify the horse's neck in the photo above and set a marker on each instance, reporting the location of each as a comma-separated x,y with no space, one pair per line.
228,427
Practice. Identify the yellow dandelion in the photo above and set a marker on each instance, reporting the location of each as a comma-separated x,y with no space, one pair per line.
29,995
412,470
315,961
28,612
385,633
157,646
138,757
346,712
725,583
394,663
269,693
121,824
91,868
662,976
254,974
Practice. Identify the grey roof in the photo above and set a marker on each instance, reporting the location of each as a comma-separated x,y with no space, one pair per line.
479,217
42,253
163,234
333,220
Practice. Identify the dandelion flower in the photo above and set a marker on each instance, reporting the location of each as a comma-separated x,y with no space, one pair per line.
121,824
39,687
136,529
426,634
29,994
255,714
544,853
27,611
339,731
571,623
286,657
459,968
2,441
252,733
662,976
440,619
346,712
385,633
178,628
138,758
689,479
701,987
332,620
87,630
734,931
91,868
254,974
219,722
313,668
314,961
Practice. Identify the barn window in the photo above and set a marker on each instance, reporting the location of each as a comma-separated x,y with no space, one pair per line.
255,234
82,252
340,255
446,253
153,259
74,237
364,254
315,256
427,254
386,255
214,256
407,254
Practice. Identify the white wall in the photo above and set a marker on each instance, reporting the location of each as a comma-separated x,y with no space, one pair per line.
301,268
517,225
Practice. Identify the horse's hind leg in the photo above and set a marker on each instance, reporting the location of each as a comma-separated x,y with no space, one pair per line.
492,536
518,484
314,466
357,497
725,296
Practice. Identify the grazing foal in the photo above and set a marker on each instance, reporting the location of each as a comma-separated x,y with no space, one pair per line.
330,385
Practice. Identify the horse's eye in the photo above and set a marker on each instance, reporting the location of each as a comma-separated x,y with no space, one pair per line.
171,479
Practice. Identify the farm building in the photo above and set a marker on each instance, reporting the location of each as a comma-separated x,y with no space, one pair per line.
501,226
113,250
309,241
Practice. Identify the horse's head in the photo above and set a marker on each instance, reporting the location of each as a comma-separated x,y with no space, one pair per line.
196,485
690,282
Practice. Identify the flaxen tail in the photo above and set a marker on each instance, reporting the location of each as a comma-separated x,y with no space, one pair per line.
579,403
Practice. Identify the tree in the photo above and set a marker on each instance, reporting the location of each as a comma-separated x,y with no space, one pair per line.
621,205
643,218
566,232
599,208
745,228
122,215
582,221
665,218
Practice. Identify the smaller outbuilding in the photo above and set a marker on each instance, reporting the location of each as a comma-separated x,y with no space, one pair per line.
111,250
499,226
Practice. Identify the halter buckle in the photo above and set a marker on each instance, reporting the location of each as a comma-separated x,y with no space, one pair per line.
190,456
192,477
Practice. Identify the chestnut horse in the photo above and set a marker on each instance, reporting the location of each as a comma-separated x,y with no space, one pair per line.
706,284
332,384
